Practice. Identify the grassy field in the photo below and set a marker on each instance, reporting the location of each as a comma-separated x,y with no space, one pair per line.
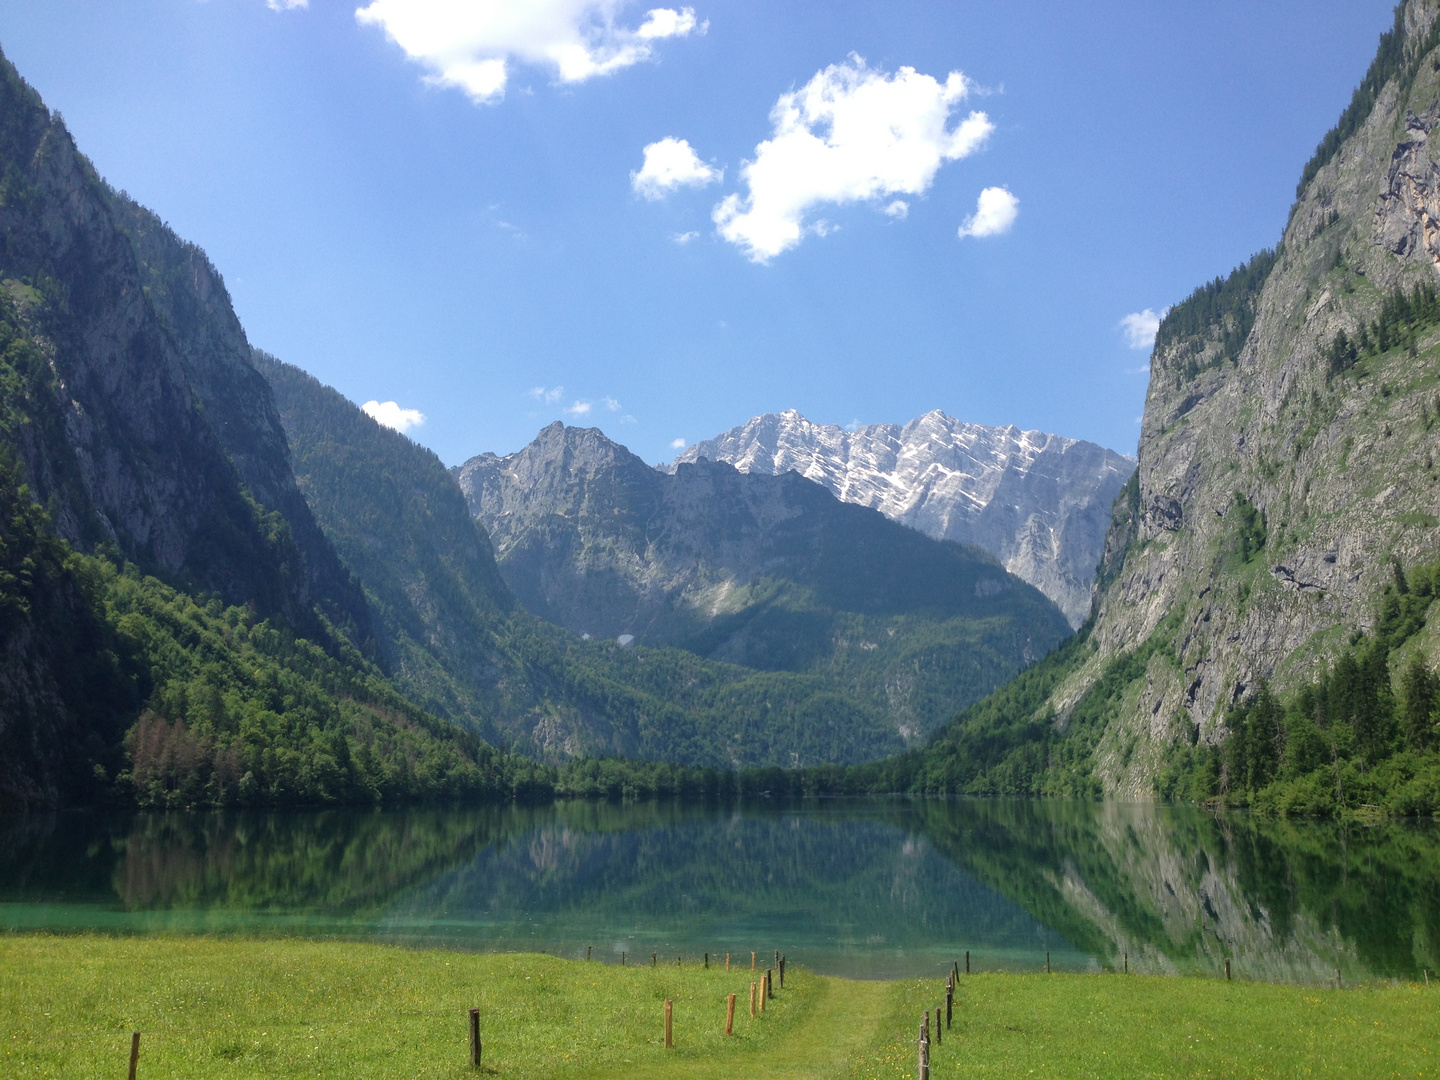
233,1008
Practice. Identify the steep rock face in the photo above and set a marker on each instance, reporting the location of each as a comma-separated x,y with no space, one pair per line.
191,301
771,572
142,419
1038,502
1277,485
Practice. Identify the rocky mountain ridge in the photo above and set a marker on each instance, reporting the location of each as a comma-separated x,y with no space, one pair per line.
1038,502
771,572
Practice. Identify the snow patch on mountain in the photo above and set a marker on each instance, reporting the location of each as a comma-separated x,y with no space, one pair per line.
1038,502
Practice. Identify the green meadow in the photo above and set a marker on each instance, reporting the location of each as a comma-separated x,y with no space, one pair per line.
241,1008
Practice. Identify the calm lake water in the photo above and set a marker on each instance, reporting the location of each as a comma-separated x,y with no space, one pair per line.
867,888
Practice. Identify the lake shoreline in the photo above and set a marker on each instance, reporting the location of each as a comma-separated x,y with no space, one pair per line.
225,1007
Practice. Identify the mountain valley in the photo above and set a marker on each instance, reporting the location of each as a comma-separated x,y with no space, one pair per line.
769,572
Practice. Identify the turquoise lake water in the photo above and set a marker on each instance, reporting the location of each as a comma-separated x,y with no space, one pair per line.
870,888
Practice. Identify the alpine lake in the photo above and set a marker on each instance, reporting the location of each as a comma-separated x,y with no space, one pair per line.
875,888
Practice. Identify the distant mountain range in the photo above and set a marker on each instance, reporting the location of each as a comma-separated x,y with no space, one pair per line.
1040,503
769,572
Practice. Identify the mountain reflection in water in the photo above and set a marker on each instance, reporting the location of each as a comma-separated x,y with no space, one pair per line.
865,887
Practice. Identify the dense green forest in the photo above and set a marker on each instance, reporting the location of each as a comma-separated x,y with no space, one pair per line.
1345,741
1220,311
191,703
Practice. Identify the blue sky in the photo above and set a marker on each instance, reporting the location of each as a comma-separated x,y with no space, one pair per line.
448,204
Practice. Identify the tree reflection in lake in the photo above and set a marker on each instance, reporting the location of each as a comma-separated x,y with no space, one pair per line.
877,887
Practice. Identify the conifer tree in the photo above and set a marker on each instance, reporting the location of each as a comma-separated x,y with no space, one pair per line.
1417,721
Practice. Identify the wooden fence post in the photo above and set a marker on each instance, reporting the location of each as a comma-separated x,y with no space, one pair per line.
752,961
707,961
967,961
474,1038
924,1041
782,971
1127,963
669,1033
654,959
134,1053
752,1001
622,957
727,961
938,1037
1337,979
1047,963
1227,969
729,1014
949,1002
764,992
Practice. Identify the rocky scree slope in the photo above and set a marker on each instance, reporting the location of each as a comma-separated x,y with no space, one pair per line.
1281,475
1039,503
770,572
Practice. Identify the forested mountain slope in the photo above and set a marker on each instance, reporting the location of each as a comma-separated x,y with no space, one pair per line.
129,409
770,572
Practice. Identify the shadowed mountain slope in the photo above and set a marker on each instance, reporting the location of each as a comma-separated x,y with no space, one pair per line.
459,643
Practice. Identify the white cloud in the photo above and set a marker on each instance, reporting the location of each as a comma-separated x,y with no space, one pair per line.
580,408
470,44
677,444
391,415
550,396
668,164
685,237
850,134
1140,327
286,5
899,209
995,212
610,403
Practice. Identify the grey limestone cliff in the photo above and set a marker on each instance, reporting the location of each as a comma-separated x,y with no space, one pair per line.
1040,503
1277,488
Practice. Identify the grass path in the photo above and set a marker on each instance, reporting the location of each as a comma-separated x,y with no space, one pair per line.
246,1009
832,1027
